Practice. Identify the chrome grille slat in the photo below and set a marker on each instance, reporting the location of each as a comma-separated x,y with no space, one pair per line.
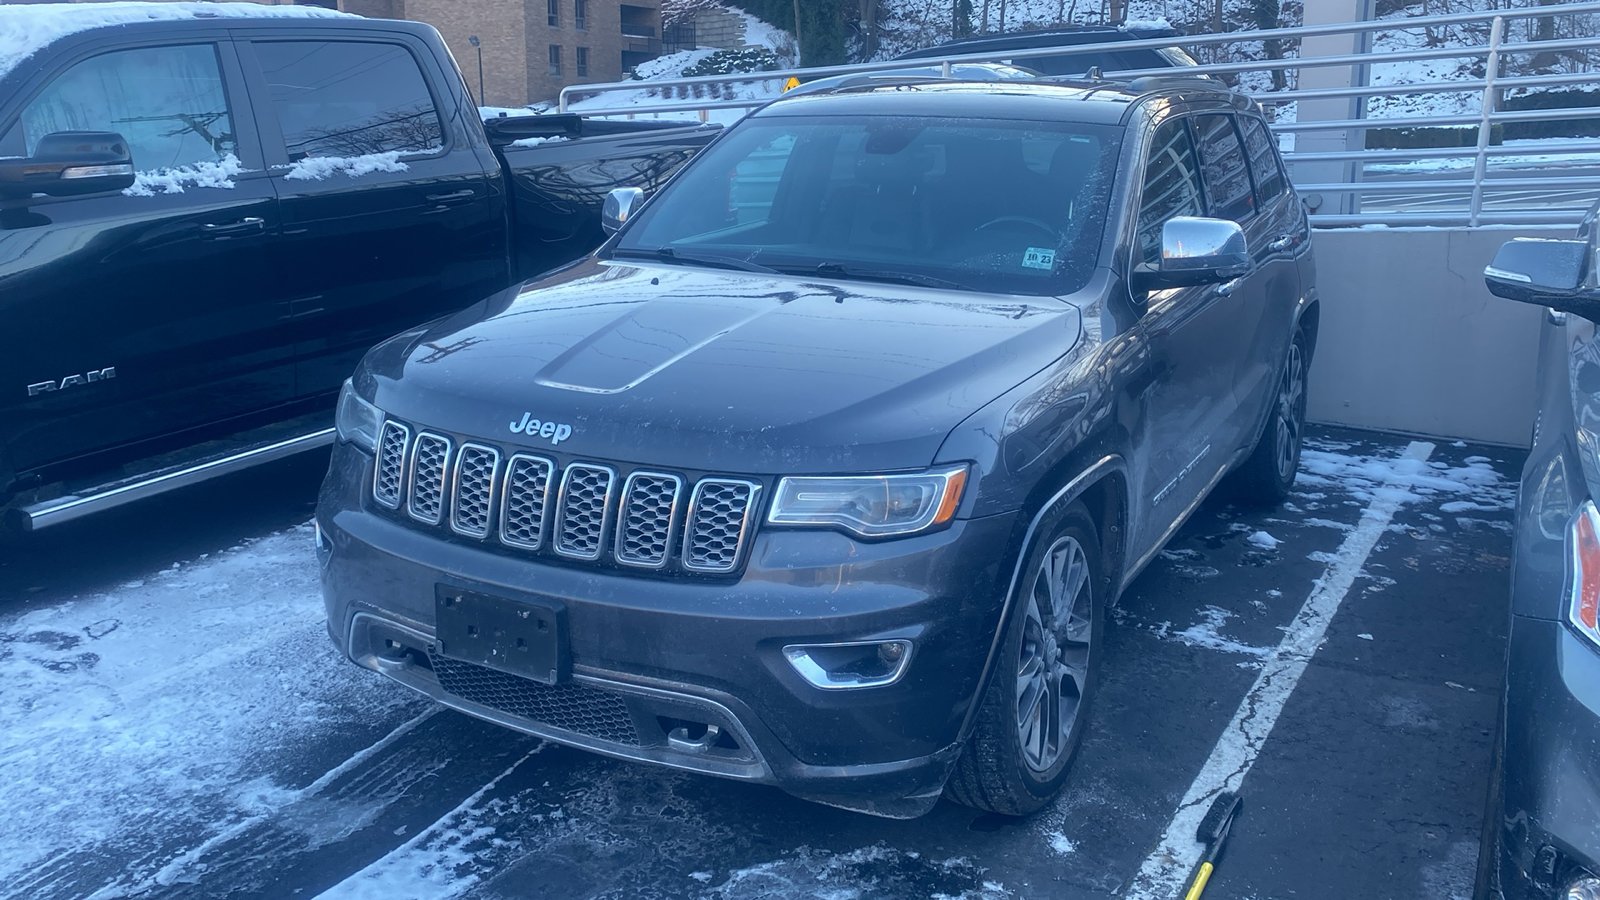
645,523
388,472
719,524
583,510
430,465
524,501
472,498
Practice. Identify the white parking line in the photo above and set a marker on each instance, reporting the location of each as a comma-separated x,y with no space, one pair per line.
1164,872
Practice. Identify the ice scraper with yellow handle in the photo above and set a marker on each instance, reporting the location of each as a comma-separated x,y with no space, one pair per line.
1212,832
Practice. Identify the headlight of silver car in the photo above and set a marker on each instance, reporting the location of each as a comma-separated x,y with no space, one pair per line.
357,420
871,506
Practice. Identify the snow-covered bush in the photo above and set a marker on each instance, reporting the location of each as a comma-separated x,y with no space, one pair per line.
728,62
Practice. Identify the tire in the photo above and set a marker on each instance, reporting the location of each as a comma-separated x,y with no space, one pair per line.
1017,757
1267,475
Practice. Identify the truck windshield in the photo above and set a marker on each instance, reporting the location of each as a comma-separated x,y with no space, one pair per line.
977,204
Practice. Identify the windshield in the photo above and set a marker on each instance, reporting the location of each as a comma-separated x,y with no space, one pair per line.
977,204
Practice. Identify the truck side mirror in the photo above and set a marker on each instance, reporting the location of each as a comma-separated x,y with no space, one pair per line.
620,204
1544,273
1196,251
67,163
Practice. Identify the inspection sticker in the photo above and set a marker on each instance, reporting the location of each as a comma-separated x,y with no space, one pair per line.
1039,258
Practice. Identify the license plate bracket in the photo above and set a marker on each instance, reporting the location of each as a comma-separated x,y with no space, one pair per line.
519,637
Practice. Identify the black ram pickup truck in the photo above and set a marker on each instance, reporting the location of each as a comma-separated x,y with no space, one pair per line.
824,471
209,213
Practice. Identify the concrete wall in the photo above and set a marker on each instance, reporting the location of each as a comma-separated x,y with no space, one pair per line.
1412,341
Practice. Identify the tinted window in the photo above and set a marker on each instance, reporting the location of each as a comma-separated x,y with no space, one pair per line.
1263,161
1171,186
985,204
167,101
1223,168
337,98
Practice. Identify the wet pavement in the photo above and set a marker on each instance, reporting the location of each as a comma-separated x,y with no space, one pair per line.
174,723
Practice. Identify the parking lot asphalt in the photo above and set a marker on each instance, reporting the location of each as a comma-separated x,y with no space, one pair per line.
175,723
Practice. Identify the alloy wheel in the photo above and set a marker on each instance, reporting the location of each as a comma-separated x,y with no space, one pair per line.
1288,418
1053,664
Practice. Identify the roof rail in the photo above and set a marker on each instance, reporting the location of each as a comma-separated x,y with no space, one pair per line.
1144,84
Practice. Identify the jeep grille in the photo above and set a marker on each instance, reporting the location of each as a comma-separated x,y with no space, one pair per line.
523,501
644,531
474,490
585,505
719,521
389,473
587,511
429,464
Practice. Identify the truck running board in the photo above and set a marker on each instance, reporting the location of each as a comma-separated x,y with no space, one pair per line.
104,497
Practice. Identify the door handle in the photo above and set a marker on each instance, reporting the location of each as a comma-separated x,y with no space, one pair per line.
456,197
1282,243
1227,288
247,225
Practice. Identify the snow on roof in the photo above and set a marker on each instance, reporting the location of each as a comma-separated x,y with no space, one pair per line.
25,29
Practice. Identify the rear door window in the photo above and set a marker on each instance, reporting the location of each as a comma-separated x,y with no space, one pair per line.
1224,169
1171,186
1263,161
346,99
167,102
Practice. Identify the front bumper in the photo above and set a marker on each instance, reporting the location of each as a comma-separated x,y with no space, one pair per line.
1550,809
653,655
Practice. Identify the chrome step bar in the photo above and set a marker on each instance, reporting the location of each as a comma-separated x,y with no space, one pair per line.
74,506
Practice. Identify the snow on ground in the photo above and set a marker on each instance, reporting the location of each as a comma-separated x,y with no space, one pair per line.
160,707
173,181
25,29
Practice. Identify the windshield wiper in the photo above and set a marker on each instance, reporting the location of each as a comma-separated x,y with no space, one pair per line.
888,276
668,254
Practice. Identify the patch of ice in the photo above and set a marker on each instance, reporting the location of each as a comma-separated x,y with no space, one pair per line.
318,168
1205,634
1364,636
147,709
1263,540
1060,843
1274,593
702,877
201,174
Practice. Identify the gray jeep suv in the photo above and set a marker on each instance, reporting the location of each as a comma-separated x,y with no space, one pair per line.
823,470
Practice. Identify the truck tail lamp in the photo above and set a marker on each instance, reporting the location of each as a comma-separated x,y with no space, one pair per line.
1583,609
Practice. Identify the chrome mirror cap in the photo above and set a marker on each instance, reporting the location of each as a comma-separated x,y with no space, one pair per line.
619,206
1192,245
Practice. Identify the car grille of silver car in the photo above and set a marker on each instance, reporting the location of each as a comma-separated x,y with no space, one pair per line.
585,511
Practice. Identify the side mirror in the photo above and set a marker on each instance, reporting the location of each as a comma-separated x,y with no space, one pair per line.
67,163
620,204
1544,273
1196,251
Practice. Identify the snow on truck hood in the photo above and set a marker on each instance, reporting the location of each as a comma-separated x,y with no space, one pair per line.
727,371
25,29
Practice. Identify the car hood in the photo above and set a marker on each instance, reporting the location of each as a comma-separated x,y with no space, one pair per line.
706,370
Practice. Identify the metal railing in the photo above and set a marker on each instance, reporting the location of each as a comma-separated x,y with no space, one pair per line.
1550,181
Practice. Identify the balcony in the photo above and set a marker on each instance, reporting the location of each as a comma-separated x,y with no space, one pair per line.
640,31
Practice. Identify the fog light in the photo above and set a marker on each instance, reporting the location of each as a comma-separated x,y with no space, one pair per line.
861,664
1585,888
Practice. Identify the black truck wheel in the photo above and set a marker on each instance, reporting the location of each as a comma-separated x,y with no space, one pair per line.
1038,697
1264,479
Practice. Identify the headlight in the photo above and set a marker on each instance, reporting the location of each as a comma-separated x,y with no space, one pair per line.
357,420
871,505
1583,603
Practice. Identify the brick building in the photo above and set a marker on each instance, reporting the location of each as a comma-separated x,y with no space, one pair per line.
533,48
